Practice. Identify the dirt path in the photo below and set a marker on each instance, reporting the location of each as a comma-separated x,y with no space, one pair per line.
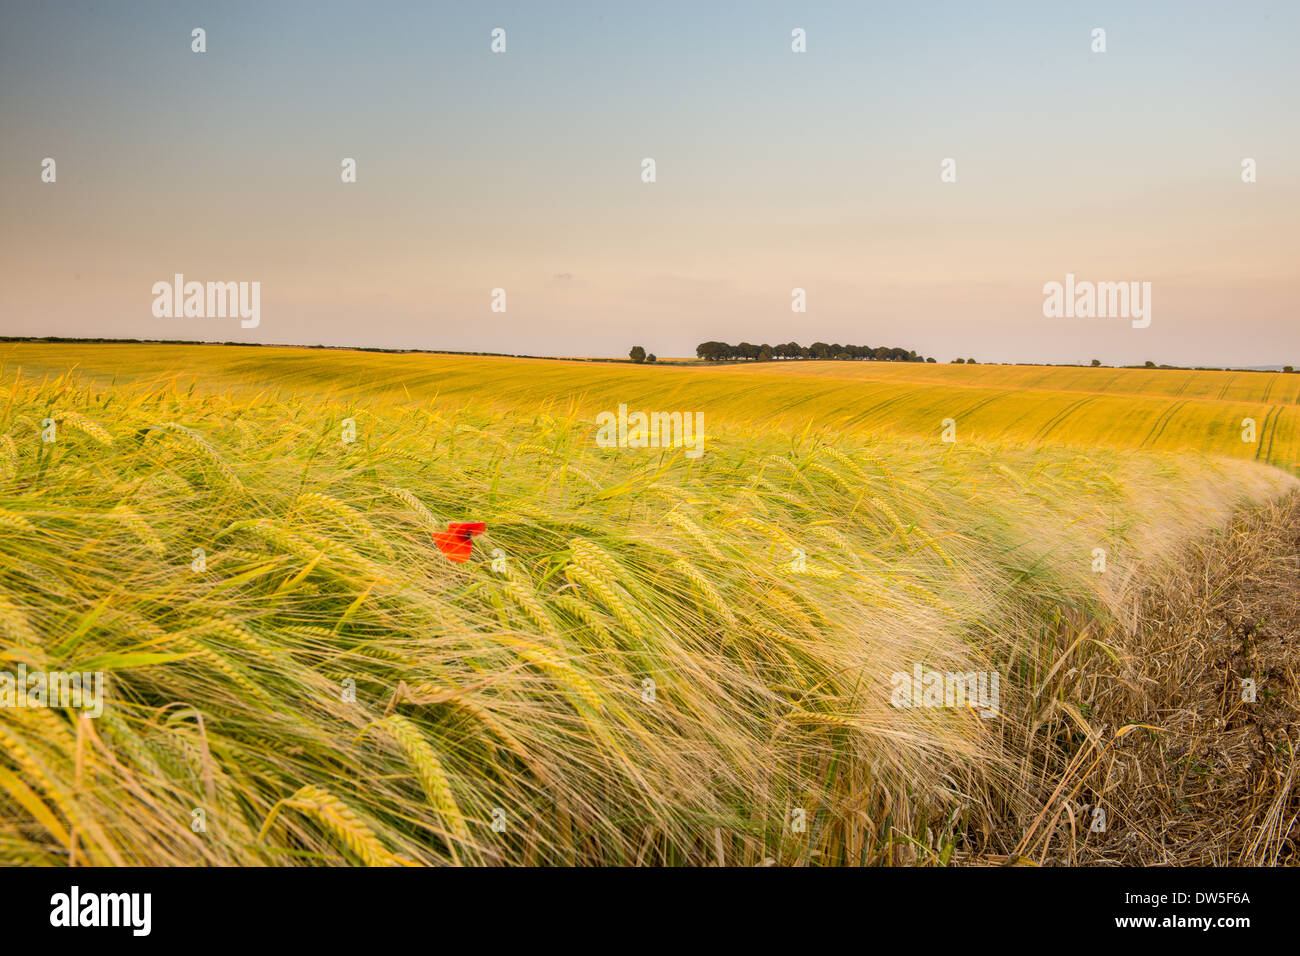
1209,774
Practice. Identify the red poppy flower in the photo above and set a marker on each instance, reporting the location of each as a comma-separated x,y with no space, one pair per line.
456,542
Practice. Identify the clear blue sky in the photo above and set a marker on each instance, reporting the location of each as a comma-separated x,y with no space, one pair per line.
775,170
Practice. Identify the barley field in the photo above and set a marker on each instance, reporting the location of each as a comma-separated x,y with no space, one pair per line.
647,659
1126,409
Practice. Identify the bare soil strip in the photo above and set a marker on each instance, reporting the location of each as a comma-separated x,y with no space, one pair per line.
1184,762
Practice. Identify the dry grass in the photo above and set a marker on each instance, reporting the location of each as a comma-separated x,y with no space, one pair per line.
1202,776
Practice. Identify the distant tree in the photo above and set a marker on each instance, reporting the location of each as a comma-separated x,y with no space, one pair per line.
1288,368
652,357
637,354
712,351
721,352
1096,363
959,361
971,361
1150,364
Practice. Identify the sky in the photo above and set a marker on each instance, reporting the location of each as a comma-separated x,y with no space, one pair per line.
774,170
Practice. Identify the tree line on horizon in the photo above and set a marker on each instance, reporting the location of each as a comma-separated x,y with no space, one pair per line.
746,351
639,355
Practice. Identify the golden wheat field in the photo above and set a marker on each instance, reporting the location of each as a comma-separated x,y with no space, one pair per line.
1128,409
648,657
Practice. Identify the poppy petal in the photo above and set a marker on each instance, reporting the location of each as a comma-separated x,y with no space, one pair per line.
456,541
467,529
455,547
